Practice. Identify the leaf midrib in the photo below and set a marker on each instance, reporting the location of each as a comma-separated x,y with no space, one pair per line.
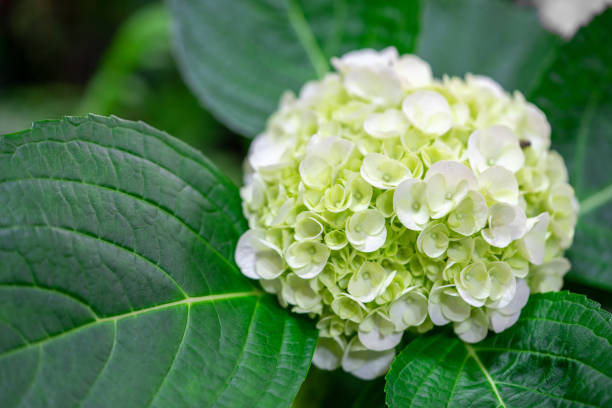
472,353
306,37
98,321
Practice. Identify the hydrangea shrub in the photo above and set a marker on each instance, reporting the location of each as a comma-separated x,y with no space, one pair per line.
382,200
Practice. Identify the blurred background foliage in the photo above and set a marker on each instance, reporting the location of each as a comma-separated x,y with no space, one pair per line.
62,57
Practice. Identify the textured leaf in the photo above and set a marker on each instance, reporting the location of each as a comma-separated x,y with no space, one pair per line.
239,56
557,354
116,285
576,94
487,37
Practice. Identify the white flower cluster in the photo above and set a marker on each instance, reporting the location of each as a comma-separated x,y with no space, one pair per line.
383,200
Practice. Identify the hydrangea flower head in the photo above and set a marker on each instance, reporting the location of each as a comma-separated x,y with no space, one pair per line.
381,200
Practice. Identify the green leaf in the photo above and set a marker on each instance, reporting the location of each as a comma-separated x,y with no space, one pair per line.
487,37
557,354
576,94
239,56
117,285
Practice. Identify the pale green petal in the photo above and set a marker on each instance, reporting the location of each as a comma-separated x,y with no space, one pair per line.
336,198
474,284
307,258
506,224
470,216
448,182
498,184
533,245
548,277
409,310
369,281
366,231
336,240
348,309
316,172
461,250
360,192
410,204
384,203
383,172
503,283
433,240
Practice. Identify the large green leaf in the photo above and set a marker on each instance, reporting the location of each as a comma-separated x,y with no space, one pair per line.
117,285
576,94
488,37
239,56
557,354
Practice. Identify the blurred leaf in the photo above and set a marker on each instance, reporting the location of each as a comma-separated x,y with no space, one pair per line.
117,281
557,354
19,107
239,56
487,37
138,80
576,94
372,395
142,40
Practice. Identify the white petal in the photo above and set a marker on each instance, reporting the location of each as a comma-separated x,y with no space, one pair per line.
454,173
533,245
435,314
506,224
328,354
366,364
390,123
538,129
500,322
383,172
371,243
409,204
365,58
465,295
309,271
268,151
375,340
521,296
245,254
474,328
496,145
428,111
474,334
409,310
413,71
381,86
485,83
